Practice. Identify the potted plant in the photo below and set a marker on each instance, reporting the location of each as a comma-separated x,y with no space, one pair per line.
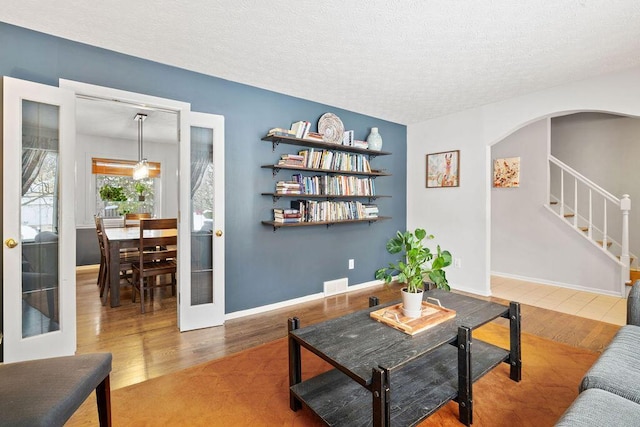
417,264
140,189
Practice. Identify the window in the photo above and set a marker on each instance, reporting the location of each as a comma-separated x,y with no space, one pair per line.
118,193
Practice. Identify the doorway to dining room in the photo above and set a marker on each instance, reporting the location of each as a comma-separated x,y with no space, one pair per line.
185,146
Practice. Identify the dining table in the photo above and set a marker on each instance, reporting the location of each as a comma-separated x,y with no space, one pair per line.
123,238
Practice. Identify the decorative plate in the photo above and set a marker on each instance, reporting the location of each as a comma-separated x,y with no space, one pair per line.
331,128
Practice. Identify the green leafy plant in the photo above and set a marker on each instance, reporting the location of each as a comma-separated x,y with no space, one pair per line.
112,193
417,264
140,188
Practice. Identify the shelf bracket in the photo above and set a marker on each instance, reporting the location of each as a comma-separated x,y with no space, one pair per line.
275,171
274,144
275,198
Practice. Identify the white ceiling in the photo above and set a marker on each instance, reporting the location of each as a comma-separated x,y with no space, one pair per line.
106,118
401,60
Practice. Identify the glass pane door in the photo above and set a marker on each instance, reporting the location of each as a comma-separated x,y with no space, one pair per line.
38,201
202,295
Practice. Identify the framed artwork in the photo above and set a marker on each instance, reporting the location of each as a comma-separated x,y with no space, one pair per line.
443,169
506,172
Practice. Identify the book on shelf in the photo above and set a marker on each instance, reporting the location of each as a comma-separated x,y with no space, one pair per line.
291,160
281,132
301,128
298,128
360,144
348,138
305,130
286,211
371,211
315,136
286,215
288,187
287,220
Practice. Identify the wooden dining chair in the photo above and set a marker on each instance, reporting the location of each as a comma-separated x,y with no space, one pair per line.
127,260
103,261
133,219
158,257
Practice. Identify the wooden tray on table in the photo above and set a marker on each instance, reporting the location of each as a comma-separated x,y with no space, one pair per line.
432,314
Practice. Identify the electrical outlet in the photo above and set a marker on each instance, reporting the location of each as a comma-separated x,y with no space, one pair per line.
457,263
352,264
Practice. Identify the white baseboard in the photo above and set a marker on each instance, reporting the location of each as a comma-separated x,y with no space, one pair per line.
558,284
287,303
274,306
365,285
473,291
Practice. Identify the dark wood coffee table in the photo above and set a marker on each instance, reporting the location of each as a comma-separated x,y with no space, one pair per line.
383,376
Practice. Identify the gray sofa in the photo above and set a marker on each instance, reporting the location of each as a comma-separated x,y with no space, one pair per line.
610,390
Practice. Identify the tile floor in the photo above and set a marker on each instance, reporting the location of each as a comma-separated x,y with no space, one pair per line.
579,303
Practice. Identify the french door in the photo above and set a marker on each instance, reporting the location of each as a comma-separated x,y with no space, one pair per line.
202,301
38,251
200,148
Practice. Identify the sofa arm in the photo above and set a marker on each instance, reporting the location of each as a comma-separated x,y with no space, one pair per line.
633,305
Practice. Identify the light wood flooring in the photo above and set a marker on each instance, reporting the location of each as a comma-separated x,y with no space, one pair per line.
594,306
150,345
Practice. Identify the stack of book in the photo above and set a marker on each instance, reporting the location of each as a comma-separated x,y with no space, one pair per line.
292,160
288,187
286,216
371,211
315,136
281,132
360,144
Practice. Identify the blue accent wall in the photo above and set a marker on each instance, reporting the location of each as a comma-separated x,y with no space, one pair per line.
262,266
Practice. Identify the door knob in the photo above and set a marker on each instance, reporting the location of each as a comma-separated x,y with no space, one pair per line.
219,233
11,243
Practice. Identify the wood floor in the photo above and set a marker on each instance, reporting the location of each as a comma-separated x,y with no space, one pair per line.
150,345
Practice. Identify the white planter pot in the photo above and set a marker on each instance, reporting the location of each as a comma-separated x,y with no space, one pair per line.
411,303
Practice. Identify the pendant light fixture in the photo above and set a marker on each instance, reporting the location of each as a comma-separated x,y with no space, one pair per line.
141,169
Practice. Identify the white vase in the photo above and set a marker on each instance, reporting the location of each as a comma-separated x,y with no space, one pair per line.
411,303
374,140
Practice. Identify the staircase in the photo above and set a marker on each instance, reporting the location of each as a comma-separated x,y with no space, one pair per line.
593,212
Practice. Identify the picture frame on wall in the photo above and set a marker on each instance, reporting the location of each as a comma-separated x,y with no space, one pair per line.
443,169
506,172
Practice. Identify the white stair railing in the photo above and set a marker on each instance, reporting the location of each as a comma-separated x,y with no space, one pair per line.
578,206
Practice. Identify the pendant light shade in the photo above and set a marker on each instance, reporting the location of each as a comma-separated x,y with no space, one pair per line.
141,169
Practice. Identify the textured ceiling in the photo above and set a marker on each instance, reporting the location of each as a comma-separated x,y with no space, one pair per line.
400,60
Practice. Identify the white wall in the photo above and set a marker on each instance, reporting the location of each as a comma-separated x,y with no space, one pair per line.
88,146
460,217
528,241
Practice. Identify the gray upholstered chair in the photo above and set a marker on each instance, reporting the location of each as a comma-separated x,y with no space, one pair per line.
47,392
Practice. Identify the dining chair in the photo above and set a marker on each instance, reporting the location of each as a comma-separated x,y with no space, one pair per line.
103,261
158,257
133,219
127,259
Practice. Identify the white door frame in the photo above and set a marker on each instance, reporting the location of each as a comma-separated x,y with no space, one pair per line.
183,109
